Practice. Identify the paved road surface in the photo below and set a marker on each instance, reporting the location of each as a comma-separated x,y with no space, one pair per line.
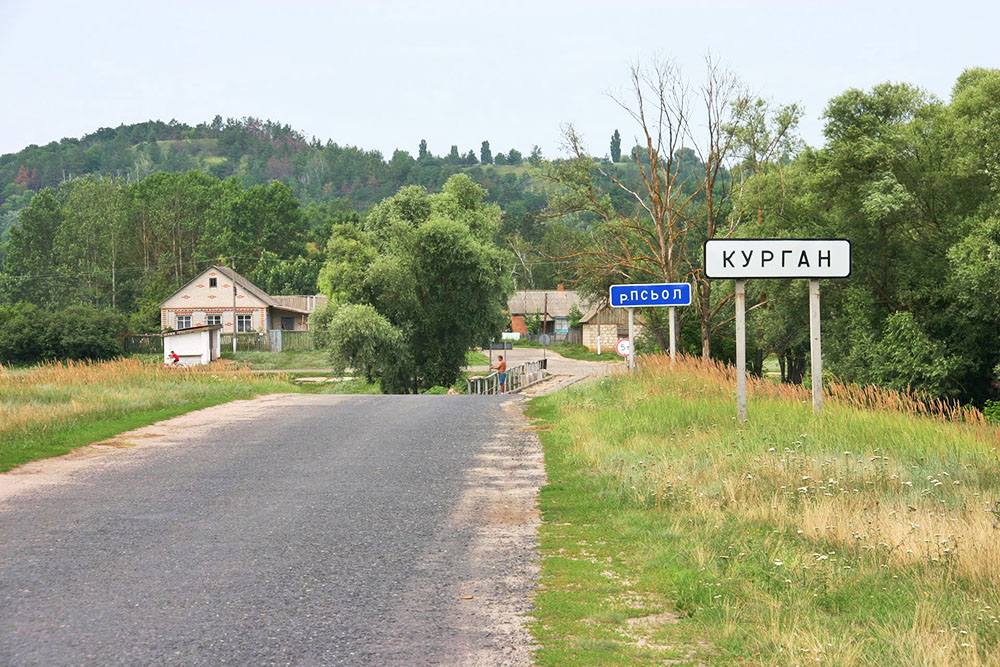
303,530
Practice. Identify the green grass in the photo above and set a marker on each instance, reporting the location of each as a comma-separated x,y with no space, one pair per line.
358,386
51,409
473,358
262,360
670,532
573,351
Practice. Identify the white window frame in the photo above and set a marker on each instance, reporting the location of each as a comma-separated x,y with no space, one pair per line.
213,318
244,323
182,321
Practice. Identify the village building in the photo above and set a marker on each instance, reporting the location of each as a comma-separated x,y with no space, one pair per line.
603,326
208,300
196,346
552,307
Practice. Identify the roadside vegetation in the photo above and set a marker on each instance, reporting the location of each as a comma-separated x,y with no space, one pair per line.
52,408
473,358
263,360
865,535
573,351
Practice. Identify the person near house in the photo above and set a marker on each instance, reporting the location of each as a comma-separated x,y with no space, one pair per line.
501,369
175,359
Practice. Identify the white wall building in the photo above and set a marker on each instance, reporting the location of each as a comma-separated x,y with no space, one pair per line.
208,300
195,346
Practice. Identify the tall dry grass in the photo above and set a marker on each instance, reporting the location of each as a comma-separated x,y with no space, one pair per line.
884,494
38,405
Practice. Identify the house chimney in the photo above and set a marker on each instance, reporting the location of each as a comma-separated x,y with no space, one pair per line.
559,287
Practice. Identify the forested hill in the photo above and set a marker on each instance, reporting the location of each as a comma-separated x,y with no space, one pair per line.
257,152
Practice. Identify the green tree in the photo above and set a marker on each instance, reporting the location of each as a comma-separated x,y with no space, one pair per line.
616,147
485,154
31,267
423,280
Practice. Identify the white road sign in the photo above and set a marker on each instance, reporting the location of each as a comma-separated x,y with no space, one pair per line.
777,258
624,347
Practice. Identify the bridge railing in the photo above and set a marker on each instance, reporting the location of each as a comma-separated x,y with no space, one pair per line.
518,377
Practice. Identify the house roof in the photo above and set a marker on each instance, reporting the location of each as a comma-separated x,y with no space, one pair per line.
247,285
557,303
593,311
304,303
200,327
293,303
610,316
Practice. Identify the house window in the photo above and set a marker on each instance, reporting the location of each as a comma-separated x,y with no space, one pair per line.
213,319
183,321
288,323
213,282
244,323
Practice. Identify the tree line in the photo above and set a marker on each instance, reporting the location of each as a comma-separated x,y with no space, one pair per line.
912,181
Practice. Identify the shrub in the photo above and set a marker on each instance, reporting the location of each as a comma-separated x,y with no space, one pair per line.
24,334
29,334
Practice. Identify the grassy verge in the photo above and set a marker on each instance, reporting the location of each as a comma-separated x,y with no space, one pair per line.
573,351
53,408
862,536
473,358
263,360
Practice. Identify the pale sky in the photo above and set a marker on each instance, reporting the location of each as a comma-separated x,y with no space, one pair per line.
384,75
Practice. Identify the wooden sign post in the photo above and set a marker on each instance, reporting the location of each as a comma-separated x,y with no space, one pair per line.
741,259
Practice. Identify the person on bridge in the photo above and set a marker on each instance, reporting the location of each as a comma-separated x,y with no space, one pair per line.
501,369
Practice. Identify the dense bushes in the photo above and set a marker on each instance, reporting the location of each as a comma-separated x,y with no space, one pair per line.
29,334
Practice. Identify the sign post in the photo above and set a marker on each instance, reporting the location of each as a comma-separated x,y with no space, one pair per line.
631,339
672,314
647,296
741,351
740,259
815,353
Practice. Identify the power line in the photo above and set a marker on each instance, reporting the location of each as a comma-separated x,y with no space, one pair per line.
154,267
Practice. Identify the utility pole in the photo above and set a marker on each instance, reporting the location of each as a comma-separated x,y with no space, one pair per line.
234,305
545,317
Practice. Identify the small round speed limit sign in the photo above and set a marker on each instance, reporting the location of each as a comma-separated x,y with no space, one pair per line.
624,347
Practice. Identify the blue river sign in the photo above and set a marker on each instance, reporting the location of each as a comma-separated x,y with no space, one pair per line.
645,296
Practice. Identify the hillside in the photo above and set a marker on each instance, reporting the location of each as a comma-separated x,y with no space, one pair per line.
255,152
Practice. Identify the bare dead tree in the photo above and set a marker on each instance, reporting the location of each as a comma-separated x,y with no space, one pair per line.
725,99
645,243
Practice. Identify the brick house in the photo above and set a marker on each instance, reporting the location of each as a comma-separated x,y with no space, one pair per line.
208,300
552,306
611,324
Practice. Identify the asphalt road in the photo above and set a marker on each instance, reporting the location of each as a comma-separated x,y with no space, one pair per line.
306,530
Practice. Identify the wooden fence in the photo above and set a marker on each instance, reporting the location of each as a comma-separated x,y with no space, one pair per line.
289,340
143,344
244,341
297,340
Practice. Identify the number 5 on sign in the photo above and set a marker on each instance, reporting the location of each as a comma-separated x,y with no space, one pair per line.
624,347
